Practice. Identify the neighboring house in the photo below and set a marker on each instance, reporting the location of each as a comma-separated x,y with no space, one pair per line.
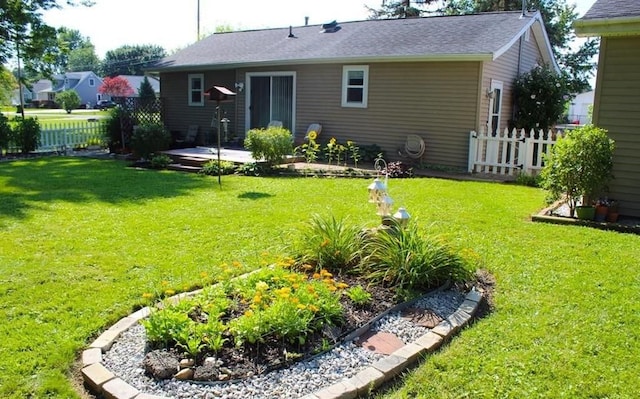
617,95
27,96
578,112
86,84
373,82
135,82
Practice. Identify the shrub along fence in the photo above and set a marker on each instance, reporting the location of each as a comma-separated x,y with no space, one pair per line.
68,135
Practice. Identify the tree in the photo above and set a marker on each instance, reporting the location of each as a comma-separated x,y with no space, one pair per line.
146,93
131,60
116,87
399,9
68,100
558,17
540,95
76,54
8,84
24,35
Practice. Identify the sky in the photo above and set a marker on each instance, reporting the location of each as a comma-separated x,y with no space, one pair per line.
172,24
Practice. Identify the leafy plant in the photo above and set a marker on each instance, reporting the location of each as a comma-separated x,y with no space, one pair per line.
150,138
525,179
255,169
309,149
211,168
579,165
330,150
26,134
540,98
399,169
369,153
404,258
358,295
113,128
354,152
160,161
271,144
68,100
329,243
5,133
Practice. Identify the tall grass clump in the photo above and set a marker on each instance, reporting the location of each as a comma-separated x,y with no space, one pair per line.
329,243
271,144
402,257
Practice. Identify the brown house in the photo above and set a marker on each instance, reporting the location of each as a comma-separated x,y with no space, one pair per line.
617,97
373,82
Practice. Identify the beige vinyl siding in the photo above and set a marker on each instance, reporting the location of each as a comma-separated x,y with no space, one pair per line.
174,92
505,68
617,109
436,100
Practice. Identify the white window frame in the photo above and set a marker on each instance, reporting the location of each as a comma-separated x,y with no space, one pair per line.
92,82
192,77
365,85
497,87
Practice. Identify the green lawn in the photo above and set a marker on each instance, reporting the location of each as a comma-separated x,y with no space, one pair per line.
81,241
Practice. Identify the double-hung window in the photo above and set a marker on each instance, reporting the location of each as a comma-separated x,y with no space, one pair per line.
196,89
355,86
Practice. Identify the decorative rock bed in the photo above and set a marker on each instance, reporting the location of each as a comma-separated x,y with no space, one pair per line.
112,365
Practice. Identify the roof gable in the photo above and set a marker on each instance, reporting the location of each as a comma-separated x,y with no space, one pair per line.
610,18
475,37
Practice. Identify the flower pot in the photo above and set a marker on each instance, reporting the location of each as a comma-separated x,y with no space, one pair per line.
601,213
585,212
612,217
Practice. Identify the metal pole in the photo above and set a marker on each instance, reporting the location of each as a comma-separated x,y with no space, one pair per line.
198,38
219,171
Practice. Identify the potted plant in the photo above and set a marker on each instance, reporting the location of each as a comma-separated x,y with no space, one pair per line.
612,211
579,168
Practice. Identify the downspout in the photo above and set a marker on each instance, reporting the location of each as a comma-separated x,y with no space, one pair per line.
518,72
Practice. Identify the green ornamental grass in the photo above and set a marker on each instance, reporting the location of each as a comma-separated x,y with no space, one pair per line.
81,242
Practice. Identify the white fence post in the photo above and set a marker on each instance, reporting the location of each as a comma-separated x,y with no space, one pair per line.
473,149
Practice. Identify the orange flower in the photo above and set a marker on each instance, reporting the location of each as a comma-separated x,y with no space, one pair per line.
342,285
325,243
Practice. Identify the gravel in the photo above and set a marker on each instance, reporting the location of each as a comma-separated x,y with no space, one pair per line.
125,358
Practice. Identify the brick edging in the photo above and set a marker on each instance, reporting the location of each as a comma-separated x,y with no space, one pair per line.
102,381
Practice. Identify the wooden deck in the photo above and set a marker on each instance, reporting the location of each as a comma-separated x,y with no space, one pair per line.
208,153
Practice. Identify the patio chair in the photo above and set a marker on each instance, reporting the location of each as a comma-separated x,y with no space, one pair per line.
314,127
189,139
274,123
413,147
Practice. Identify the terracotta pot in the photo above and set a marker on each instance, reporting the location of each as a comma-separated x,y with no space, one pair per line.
601,213
612,217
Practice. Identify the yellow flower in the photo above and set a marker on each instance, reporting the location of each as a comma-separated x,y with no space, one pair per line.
204,275
310,289
325,273
317,276
325,243
332,141
313,135
262,286
307,267
257,299
313,308
235,263
301,306
164,283
342,285
349,143
169,292
147,295
248,313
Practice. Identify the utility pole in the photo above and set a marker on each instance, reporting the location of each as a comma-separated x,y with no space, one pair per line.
198,38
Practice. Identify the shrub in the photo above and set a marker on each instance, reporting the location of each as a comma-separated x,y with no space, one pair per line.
5,133
211,168
113,129
525,179
409,261
26,134
271,144
68,100
150,138
399,169
330,244
161,161
255,169
540,98
579,165
369,153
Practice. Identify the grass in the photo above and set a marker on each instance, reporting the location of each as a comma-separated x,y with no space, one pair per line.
82,240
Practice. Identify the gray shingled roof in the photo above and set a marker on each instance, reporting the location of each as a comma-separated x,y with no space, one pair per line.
613,9
479,37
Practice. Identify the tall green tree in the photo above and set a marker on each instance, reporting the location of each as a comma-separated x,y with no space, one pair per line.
131,60
145,91
8,83
76,53
25,36
558,16
399,9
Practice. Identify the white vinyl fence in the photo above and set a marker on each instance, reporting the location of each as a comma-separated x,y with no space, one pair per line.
509,152
69,135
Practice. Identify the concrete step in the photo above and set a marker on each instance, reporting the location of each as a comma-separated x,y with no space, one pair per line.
184,168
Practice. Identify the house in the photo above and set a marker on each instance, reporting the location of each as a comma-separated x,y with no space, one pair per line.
579,109
372,82
86,84
617,95
27,96
135,82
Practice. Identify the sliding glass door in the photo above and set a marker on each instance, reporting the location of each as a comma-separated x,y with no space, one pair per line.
271,97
